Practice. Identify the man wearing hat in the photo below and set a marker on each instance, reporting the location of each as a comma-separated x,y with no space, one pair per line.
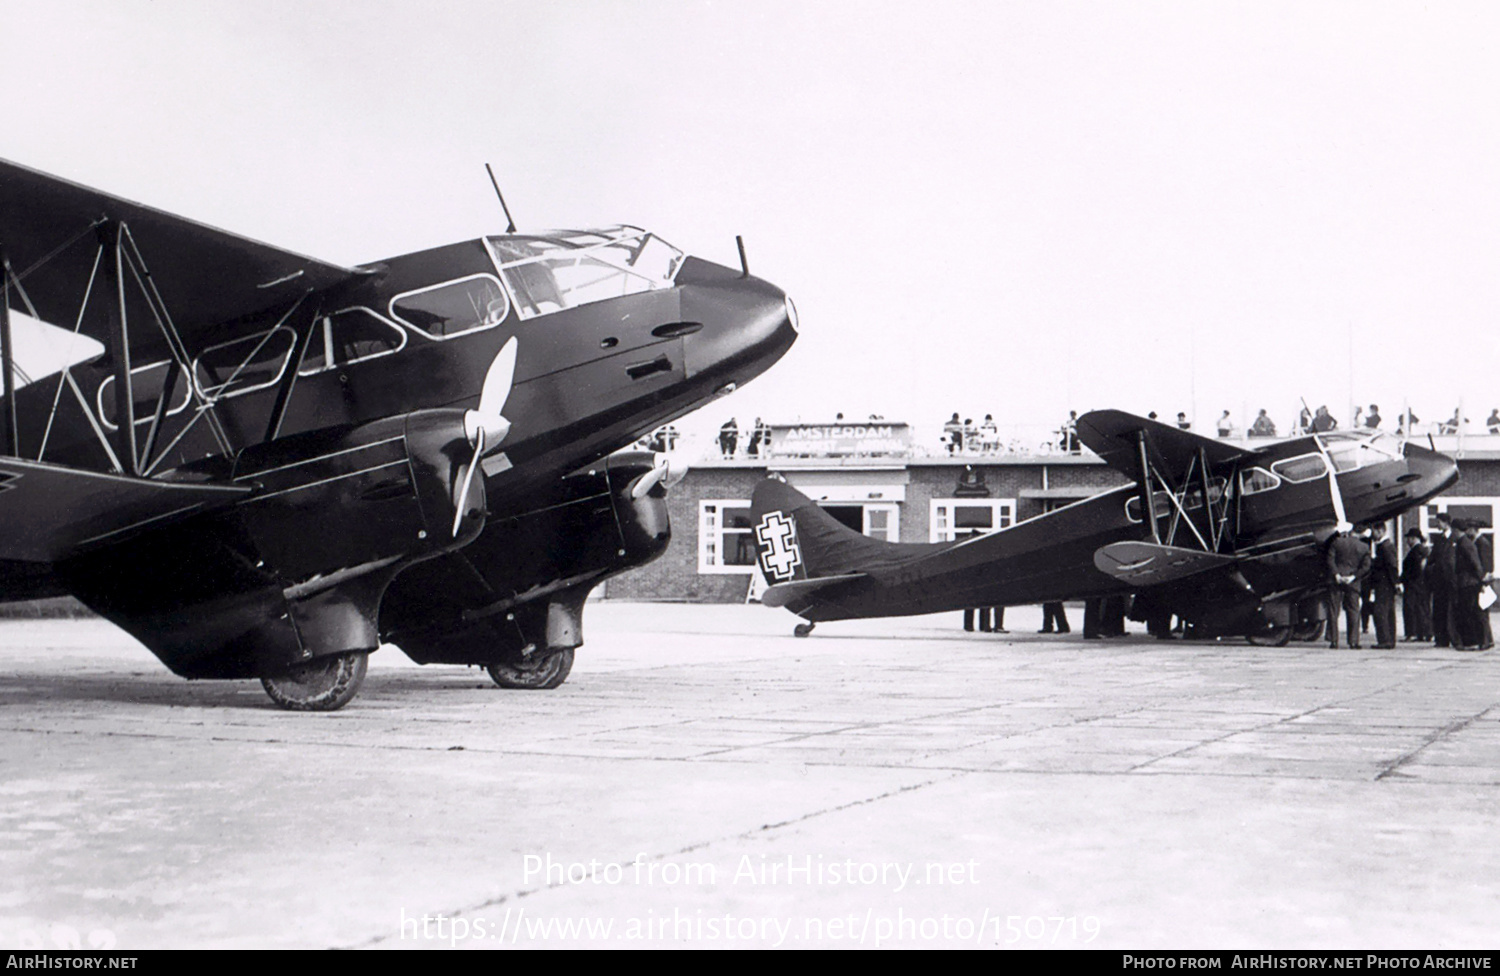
1416,601
1348,565
1385,574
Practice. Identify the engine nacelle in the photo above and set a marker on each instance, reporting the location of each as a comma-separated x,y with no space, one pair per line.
520,586
388,489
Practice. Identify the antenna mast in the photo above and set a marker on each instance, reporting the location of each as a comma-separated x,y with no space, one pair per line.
510,223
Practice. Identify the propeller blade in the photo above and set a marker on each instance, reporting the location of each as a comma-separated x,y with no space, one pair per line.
492,397
463,493
647,481
497,381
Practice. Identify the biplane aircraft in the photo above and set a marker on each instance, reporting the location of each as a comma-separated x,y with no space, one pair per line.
264,465
1227,537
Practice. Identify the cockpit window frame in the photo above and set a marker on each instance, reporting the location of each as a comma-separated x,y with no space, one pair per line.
577,245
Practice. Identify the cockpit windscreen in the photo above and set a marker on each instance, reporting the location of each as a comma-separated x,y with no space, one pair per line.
564,269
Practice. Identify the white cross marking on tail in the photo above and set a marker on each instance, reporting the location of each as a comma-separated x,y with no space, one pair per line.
779,553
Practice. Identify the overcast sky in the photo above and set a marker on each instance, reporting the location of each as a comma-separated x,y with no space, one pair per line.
1016,208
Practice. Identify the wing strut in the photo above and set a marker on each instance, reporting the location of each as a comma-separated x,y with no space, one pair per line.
8,361
1148,495
119,345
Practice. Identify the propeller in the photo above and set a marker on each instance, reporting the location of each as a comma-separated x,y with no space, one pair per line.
492,397
484,426
1335,494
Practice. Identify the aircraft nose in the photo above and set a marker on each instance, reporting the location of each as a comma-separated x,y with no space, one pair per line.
748,324
1435,472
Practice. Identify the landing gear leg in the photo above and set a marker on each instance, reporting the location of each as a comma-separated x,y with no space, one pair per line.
802,630
542,673
324,685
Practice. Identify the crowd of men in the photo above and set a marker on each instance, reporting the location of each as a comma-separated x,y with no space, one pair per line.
1443,586
1440,586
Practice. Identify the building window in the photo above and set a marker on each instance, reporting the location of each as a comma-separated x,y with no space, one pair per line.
960,518
726,543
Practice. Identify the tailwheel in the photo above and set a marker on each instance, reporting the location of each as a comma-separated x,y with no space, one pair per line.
542,673
802,630
1275,637
324,685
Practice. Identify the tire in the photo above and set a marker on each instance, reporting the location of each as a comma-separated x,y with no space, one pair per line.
802,630
1309,630
324,685
1276,637
542,674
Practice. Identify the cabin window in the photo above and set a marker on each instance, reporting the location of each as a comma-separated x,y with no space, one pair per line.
453,308
549,274
726,542
951,519
1192,500
350,336
245,365
1306,467
1253,481
145,388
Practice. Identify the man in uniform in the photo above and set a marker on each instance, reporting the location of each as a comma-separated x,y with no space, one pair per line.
1385,573
1416,601
1348,565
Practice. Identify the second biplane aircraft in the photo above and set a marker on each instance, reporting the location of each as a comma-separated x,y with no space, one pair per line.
1230,538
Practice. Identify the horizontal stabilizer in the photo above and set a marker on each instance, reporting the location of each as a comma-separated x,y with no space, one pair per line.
780,594
49,512
1146,563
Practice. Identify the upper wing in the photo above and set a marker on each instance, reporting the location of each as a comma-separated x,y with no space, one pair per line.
1114,436
205,276
49,512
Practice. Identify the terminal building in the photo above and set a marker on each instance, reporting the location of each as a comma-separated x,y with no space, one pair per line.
875,478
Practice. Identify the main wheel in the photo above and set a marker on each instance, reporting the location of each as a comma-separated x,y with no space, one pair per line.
324,685
542,673
1276,637
1308,630
802,630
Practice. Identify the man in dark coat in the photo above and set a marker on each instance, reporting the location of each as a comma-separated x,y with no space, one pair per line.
1348,563
1486,546
1416,601
1385,574
1468,577
1440,581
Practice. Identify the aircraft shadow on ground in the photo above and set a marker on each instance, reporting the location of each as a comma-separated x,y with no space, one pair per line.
60,690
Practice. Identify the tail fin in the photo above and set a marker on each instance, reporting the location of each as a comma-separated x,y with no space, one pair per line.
797,540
